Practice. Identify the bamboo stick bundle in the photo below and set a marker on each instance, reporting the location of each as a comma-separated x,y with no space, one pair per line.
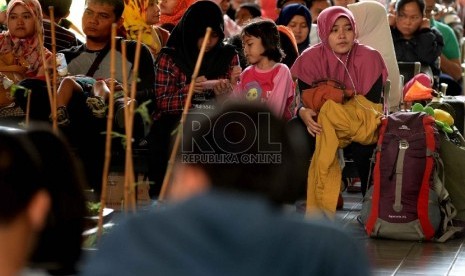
106,165
53,107
129,183
169,169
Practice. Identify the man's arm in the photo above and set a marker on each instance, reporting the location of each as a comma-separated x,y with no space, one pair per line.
451,67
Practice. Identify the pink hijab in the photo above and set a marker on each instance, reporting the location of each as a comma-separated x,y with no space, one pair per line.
364,64
27,50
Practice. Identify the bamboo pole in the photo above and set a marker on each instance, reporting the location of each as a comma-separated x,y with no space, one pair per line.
106,165
126,118
169,169
53,107
129,187
39,28
28,106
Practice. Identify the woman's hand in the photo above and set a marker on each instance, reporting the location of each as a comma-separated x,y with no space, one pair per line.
198,87
307,116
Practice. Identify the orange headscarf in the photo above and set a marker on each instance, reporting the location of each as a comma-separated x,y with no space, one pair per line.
178,12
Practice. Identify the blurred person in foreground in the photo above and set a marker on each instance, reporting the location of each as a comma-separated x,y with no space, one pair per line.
42,203
224,216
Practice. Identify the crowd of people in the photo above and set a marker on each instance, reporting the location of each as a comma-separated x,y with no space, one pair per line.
259,59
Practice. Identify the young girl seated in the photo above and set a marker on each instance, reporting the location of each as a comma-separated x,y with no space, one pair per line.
266,79
339,57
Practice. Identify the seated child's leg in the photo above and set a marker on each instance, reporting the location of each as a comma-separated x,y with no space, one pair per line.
97,102
67,87
101,90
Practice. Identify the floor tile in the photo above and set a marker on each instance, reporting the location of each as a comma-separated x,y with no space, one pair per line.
390,257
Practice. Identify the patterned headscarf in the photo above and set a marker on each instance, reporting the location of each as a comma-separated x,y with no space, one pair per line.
25,49
135,17
178,12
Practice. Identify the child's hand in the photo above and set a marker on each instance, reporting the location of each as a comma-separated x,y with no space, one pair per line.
235,74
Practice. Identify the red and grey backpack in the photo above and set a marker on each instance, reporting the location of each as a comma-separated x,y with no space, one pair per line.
407,200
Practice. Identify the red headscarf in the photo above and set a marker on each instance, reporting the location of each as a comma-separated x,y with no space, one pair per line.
364,64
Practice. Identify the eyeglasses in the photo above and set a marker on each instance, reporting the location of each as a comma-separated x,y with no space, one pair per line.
403,17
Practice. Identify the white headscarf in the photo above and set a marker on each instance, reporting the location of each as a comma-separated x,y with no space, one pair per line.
373,30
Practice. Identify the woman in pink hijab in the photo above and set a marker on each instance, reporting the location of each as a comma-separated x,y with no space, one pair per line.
341,57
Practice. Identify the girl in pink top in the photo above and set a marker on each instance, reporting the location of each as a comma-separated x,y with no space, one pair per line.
266,79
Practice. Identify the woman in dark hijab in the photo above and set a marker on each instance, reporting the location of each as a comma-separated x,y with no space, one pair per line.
299,19
174,68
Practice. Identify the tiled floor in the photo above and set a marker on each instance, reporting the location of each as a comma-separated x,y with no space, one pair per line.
391,257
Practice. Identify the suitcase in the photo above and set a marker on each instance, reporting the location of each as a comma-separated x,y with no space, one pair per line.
458,105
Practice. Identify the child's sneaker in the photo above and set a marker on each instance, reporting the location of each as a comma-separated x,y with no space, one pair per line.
97,105
62,116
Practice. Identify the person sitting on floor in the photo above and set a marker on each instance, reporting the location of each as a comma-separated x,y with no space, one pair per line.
93,59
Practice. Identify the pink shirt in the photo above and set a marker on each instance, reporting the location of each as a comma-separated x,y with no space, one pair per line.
274,87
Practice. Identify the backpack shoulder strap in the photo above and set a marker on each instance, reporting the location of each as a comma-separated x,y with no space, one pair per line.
448,230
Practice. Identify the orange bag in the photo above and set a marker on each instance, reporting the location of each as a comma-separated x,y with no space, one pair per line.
10,68
323,90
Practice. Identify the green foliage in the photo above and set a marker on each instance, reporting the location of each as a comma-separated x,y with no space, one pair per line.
14,89
93,208
144,112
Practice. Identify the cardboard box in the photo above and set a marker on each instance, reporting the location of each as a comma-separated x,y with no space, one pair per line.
115,191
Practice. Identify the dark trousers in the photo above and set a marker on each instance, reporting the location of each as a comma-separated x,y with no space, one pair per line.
160,140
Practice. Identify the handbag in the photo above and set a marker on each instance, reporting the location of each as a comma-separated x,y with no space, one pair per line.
10,72
326,89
